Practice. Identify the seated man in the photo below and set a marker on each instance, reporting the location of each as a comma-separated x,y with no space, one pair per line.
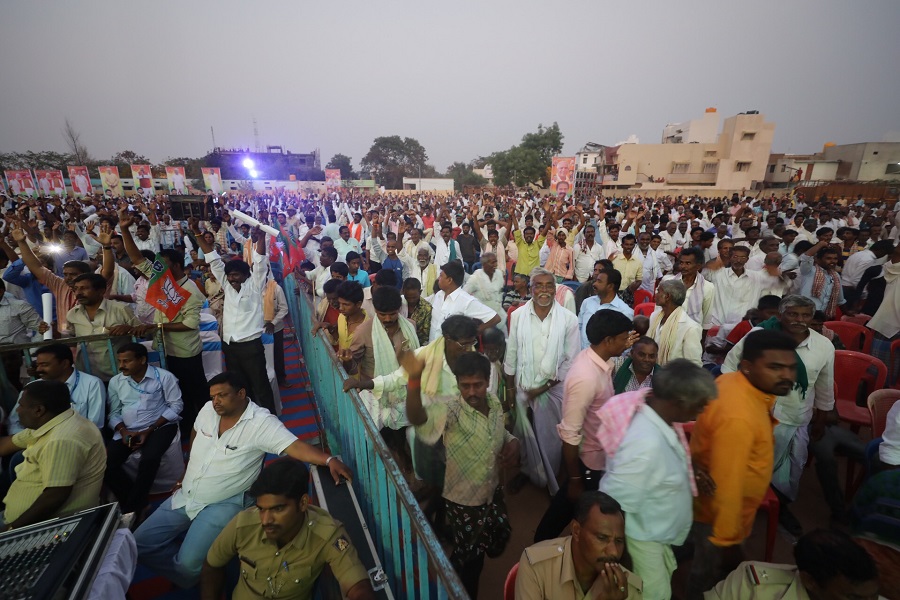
584,564
297,541
829,565
144,406
235,435
64,459
88,395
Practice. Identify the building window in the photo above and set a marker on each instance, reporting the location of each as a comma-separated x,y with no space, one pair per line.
710,167
892,169
742,166
627,167
772,168
709,153
584,160
681,167
783,168
748,136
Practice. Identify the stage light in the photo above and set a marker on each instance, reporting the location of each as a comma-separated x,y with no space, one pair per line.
254,173
248,163
54,248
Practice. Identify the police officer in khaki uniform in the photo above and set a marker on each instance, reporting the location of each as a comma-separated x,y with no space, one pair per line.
585,564
829,565
283,543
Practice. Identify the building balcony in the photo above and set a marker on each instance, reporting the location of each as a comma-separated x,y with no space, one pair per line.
691,178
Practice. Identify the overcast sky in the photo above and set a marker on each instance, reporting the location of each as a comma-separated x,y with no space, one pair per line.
464,77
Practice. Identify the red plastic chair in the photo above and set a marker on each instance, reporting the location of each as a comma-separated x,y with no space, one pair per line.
509,588
892,368
858,319
851,369
770,504
880,403
646,309
854,336
509,312
642,297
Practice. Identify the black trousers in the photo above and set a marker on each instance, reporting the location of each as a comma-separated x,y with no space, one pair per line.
562,510
132,495
280,372
194,388
249,359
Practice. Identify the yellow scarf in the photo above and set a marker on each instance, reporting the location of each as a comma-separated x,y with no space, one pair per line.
667,334
429,276
433,354
269,301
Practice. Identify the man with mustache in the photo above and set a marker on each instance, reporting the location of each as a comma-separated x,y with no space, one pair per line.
733,442
543,342
296,543
584,564
802,412
231,436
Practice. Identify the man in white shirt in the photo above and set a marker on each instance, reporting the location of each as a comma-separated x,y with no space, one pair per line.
147,238
486,285
453,300
648,467
737,289
586,253
857,263
446,249
242,315
543,342
652,269
345,243
231,437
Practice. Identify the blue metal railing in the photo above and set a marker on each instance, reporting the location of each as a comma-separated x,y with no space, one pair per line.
412,557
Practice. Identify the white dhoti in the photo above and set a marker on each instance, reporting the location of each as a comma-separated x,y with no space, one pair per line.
791,444
541,446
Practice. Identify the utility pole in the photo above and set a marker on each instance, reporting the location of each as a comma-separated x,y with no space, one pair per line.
256,134
213,134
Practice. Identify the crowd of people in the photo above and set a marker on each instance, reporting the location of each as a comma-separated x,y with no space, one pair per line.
657,366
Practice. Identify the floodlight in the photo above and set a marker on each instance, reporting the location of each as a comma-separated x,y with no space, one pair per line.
248,163
254,173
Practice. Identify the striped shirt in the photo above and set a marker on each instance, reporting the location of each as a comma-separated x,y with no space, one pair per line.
65,451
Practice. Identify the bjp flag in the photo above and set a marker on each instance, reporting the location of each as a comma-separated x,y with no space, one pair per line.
163,292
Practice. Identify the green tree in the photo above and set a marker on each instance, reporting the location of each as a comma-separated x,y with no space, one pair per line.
463,175
125,159
392,158
529,161
345,164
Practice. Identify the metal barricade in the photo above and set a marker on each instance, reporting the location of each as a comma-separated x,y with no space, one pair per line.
413,559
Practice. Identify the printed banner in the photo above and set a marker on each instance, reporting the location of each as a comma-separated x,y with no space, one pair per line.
20,183
332,179
143,179
109,179
212,179
80,179
175,179
50,183
562,176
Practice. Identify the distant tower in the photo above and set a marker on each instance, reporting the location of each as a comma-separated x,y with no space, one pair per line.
256,134
213,134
